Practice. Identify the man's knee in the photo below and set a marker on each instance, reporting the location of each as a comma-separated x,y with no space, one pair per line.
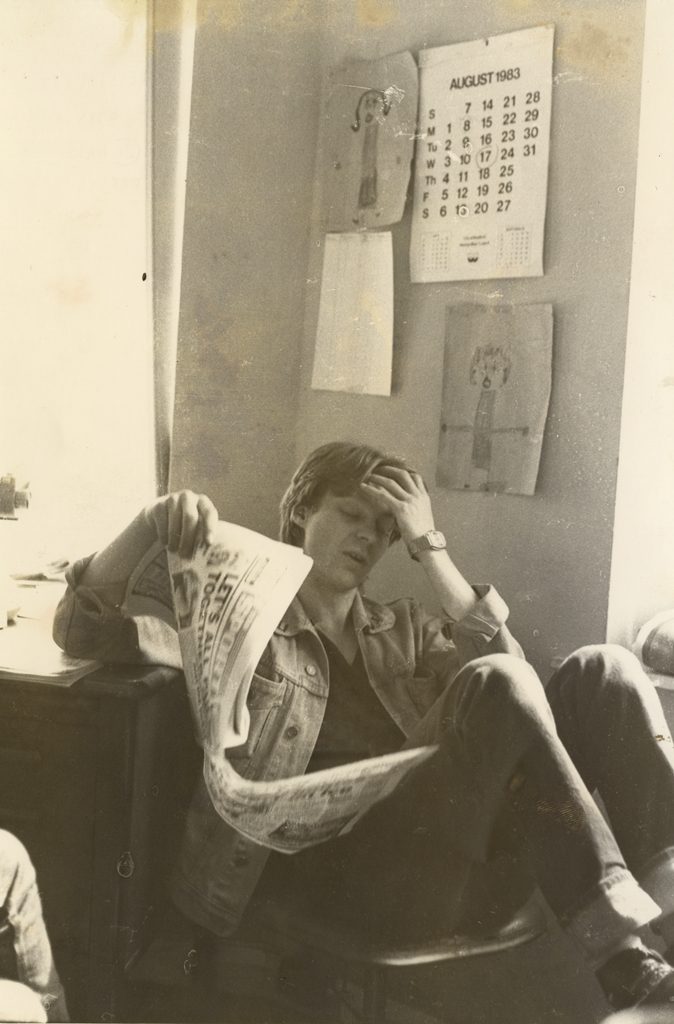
608,664
505,682
505,671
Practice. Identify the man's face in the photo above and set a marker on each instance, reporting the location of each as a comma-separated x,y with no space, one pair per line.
346,536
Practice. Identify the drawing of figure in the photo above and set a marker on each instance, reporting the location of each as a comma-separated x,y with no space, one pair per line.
496,386
373,106
489,371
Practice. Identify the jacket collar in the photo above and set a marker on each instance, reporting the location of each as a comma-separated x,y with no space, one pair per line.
368,616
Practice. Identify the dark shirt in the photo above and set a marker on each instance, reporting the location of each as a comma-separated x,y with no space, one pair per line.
356,725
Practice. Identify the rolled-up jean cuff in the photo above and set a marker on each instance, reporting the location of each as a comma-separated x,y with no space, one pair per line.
617,908
657,879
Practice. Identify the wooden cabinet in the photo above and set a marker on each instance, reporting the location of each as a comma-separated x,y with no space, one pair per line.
94,779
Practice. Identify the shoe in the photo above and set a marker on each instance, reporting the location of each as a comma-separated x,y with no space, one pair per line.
637,976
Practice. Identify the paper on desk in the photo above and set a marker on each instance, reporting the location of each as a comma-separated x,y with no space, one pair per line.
38,600
354,337
28,652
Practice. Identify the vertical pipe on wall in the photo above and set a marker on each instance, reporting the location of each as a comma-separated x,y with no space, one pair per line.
171,68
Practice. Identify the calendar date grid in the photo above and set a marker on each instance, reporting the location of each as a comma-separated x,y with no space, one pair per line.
469,163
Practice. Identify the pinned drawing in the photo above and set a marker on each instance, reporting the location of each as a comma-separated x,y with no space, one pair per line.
496,390
373,106
489,371
368,125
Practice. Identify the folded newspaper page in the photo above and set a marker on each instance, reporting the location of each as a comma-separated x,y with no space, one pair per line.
225,603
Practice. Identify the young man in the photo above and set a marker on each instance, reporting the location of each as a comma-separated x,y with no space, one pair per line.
505,802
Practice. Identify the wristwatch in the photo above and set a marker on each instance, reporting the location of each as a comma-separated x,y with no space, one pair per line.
431,541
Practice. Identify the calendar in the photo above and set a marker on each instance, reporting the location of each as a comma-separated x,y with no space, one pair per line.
481,163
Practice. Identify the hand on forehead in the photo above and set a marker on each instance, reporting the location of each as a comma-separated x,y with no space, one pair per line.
392,471
397,480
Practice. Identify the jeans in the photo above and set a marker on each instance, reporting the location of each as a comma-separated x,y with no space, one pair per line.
505,804
20,900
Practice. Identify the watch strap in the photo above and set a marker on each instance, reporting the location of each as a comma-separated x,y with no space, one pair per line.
432,540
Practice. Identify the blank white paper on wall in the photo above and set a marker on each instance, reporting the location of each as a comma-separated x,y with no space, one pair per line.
354,337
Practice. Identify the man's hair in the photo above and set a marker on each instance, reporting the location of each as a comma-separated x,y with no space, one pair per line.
338,467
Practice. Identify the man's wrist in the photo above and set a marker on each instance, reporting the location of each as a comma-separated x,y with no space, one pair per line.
430,540
410,532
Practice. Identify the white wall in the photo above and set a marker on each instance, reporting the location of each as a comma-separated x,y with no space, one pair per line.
76,372
642,572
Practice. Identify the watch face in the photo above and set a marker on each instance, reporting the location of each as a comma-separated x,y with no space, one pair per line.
436,540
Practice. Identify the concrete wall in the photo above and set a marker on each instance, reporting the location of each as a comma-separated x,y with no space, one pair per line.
249,185
548,554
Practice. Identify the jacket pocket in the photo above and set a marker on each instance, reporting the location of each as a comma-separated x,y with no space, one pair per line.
265,696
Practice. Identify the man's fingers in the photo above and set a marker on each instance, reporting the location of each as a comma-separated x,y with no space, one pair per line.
419,480
189,524
379,495
402,476
393,487
175,522
181,520
208,515
156,516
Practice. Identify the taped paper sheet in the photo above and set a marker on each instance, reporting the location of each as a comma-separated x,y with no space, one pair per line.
225,603
481,164
354,337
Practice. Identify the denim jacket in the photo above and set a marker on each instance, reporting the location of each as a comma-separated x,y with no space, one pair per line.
410,657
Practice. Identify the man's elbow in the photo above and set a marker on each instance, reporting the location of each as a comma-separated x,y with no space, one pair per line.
62,618
77,643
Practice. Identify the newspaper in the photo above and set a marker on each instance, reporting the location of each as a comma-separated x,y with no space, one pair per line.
225,603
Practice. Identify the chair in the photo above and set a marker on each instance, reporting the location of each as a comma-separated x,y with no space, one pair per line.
377,960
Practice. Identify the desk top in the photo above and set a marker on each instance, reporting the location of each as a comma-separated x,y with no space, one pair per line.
28,646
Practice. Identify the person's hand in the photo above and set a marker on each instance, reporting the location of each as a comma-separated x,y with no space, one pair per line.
402,493
182,520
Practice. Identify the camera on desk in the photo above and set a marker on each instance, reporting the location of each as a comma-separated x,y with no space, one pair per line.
12,497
